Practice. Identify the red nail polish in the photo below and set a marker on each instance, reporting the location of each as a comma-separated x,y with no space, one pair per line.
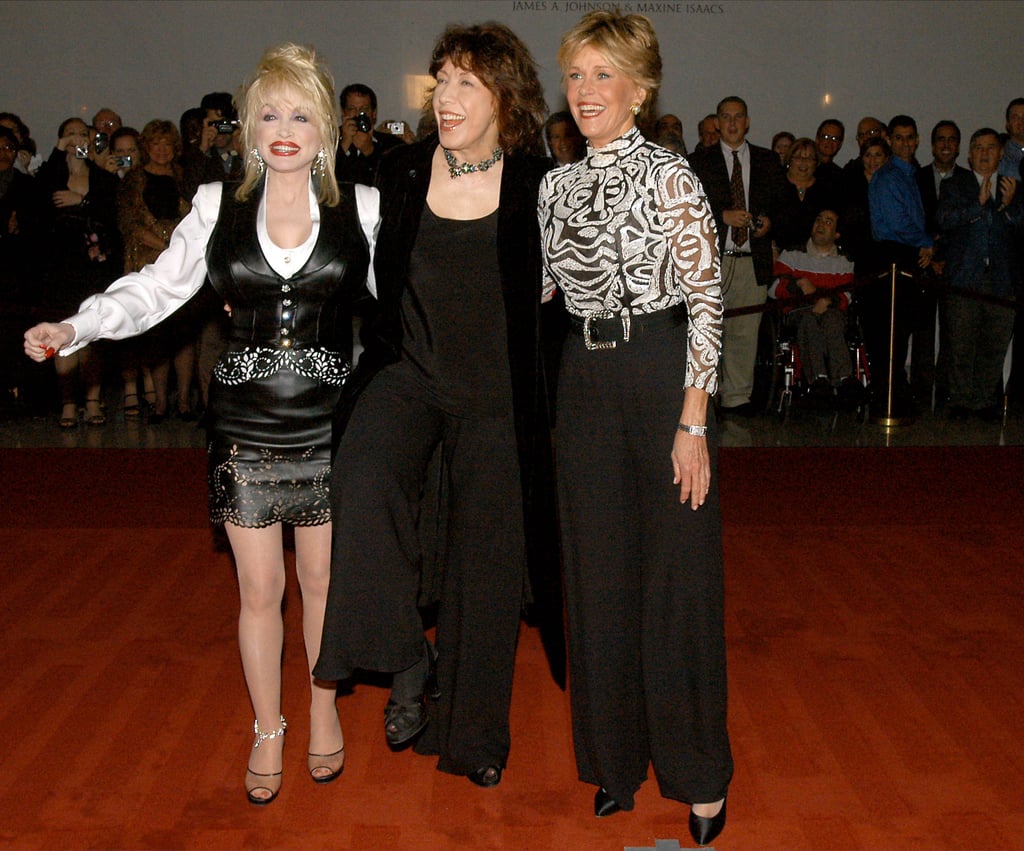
50,351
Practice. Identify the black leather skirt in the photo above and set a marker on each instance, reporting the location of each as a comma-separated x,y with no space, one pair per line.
270,449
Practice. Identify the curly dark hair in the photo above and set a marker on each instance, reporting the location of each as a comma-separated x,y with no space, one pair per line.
505,66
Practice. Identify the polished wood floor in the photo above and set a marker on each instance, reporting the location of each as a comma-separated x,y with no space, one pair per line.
876,700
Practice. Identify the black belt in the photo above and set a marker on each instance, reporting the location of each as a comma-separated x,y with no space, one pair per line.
733,253
603,330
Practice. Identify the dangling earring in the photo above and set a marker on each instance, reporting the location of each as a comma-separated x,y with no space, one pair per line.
634,108
257,162
320,163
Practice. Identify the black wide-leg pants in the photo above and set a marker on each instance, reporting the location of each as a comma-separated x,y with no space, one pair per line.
372,620
644,579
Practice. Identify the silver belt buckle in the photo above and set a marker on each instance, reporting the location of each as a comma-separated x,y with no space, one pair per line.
590,344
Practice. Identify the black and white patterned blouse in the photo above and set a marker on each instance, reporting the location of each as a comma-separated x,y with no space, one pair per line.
629,230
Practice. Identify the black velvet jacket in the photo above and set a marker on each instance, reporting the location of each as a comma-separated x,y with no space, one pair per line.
403,180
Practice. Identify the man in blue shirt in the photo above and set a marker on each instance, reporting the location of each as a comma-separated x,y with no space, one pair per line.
898,226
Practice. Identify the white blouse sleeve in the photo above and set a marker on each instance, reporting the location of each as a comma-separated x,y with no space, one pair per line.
138,301
368,204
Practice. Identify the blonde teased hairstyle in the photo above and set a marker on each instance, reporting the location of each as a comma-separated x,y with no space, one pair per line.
628,43
291,66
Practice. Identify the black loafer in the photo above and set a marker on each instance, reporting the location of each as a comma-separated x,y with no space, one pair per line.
605,804
705,829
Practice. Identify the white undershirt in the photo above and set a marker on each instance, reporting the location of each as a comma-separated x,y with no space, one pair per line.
287,261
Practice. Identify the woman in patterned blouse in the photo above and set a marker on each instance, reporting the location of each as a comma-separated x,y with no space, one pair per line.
630,240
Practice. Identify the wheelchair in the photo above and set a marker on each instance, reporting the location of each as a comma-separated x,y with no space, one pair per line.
778,377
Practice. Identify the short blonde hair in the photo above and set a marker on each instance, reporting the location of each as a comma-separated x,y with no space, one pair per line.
628,43
297,68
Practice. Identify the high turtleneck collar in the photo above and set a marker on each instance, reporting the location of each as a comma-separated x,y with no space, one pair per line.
610,153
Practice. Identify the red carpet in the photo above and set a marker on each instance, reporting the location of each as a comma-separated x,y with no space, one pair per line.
874,623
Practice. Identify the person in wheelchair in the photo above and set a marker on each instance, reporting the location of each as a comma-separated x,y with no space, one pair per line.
815,282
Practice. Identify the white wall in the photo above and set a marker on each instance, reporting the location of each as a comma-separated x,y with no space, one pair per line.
155,58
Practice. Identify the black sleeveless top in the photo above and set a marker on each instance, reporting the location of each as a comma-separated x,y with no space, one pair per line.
453,315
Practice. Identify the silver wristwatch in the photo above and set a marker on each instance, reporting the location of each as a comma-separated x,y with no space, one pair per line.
696,431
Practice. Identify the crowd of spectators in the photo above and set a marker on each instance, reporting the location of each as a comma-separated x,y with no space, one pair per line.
956,254
104,198
103,201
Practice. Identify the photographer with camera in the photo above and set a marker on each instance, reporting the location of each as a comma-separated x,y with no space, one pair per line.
104,123
359,146
124,150
214,158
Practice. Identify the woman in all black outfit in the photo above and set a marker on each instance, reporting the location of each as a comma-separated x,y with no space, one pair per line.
81,253
452,361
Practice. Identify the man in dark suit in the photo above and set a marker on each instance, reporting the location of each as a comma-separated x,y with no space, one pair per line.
745,186
925,371
978,212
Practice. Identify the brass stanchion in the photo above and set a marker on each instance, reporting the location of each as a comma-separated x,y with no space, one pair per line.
889,420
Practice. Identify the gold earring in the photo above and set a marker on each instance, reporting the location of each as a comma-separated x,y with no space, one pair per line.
634,108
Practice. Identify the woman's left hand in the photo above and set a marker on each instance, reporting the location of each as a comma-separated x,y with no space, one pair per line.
691,461
691,465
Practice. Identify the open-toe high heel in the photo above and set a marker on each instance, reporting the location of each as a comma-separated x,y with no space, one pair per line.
94,415
69,420
257,783
403,722
405,715
332,763
132,410
486,776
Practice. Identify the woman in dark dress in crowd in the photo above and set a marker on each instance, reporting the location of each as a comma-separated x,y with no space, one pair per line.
629,238
451,362
858,243
151,202
289,253
82,253
808,196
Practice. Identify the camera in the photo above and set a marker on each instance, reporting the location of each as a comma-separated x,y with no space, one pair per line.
225,125
363,124
81,152
396,128
123,162
100,142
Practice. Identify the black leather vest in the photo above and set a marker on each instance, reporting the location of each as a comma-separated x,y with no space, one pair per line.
313,308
